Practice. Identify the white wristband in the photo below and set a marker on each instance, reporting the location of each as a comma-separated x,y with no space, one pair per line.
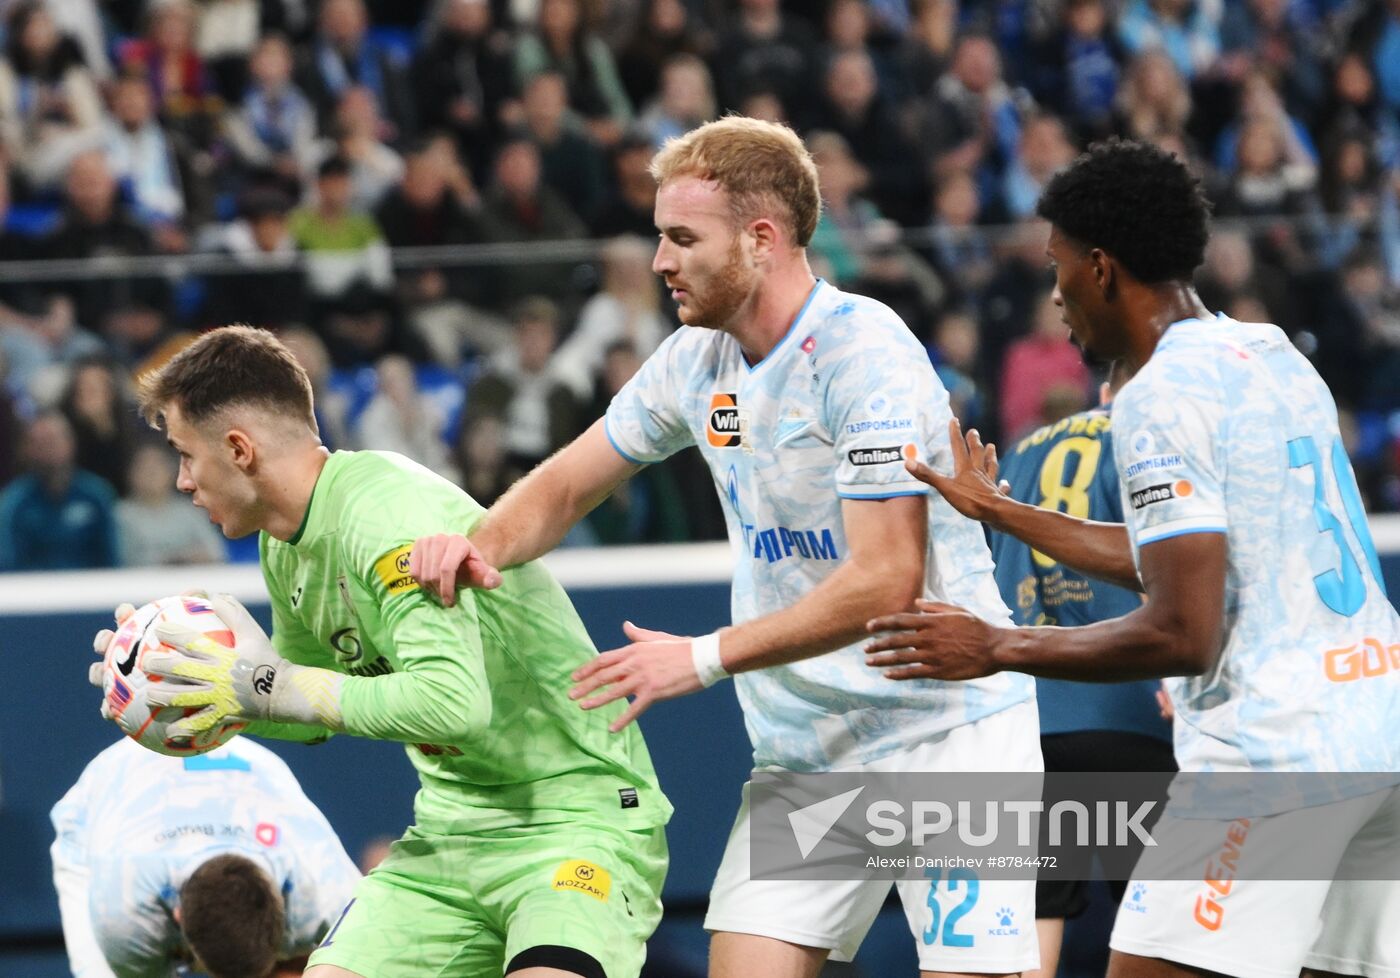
704,655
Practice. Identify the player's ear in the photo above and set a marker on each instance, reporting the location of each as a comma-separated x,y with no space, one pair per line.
240,448
1104,271
765,237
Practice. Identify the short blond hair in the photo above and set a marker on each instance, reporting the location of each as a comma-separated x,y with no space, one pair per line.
762,166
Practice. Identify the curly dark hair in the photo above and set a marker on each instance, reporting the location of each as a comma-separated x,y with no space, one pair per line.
1137,202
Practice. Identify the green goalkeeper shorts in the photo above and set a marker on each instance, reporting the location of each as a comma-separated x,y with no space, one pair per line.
466,905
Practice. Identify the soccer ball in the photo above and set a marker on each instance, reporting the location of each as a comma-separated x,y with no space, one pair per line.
124,683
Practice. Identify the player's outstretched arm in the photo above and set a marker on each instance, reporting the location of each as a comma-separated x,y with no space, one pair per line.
1098,549
885,572
527,522
1176,632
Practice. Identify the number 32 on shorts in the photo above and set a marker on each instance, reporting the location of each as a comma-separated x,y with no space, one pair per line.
960,881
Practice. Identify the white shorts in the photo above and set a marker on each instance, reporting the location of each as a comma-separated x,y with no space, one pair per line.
959,924
1260,928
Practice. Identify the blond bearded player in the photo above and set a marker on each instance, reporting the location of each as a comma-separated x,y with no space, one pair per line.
805,401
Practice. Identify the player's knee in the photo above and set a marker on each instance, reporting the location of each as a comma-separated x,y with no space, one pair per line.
554,958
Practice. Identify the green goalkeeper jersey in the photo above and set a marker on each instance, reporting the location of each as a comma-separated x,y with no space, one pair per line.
478,692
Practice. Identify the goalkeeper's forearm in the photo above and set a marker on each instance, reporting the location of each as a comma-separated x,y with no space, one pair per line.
412,708
300,733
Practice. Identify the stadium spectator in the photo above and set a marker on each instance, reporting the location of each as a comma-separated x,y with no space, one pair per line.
926,49
56,516
849,25
362,324
1353,101
37,327
973,119
960,251
1187,31
628,308
519,208
344,247
156,525
141,336
562,42
662,30
342,55
444,302
96,224
686,100
1260,102
523,386
896,275
401,418
479,453
1078,67
1268,183
649,507
1273,35
1350,190
463,79
630,207
156,168
1044,149
167,58
263,284
357,138
765,105
50,110
1154,98
847,216
100,418
765,48
954,354
570,161
272,134
1376,35
1231,272
1038,366
853,107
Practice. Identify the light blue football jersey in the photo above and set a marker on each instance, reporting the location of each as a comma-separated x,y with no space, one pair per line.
1229,429
137,824
830,414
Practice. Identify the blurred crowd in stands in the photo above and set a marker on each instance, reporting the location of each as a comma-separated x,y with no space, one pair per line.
444,209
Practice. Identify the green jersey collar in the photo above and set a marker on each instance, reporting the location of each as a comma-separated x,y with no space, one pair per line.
308,525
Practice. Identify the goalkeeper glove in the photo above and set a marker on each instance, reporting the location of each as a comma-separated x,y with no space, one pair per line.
250,682
100,641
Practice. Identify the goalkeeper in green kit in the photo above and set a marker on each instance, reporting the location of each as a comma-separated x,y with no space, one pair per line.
538,848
